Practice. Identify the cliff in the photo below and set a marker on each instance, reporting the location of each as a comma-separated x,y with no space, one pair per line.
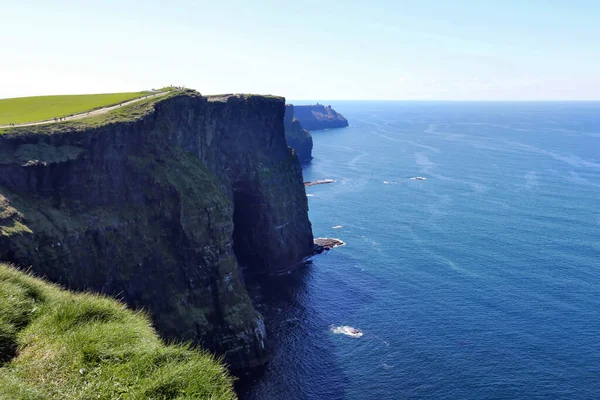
317,117
297,137
157,204
85,346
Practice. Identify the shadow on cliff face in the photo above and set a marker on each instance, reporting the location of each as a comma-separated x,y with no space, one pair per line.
246,219
293,327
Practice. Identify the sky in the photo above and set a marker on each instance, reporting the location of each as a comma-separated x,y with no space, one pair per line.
329,50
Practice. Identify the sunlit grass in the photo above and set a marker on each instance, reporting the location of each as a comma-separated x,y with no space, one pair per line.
59,345
40,108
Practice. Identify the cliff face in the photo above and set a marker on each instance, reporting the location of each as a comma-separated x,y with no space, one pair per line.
159,210
317,117
297,137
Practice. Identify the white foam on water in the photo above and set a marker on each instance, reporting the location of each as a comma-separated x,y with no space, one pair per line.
346,330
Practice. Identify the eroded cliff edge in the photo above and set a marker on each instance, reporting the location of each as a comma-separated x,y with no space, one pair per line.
158,211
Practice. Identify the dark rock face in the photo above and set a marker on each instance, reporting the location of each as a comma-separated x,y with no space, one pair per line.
317,117
159,210
297,137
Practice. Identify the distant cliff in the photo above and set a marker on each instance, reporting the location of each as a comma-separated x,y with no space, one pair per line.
159,208
297,137
317,117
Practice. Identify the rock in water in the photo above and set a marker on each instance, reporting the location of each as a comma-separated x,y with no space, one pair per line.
159,208
319,182
323,244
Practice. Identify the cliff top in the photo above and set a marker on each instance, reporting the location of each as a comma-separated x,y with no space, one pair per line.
55,344
127,111
226,97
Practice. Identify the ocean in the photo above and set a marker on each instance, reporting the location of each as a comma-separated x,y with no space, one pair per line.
480,282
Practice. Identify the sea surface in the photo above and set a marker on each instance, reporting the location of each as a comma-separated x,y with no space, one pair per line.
480,282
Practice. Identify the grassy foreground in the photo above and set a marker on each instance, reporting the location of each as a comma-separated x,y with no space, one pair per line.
55,344
40,108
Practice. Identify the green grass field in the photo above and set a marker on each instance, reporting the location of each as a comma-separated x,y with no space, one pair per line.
55,344
129,113
39,108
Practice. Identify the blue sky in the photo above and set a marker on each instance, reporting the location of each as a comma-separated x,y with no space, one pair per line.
396,50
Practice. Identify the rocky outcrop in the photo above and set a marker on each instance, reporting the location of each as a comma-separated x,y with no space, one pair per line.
297,137
319,182
159,210
324,244
317,117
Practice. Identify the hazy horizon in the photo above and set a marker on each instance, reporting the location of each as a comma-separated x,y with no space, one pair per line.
383,50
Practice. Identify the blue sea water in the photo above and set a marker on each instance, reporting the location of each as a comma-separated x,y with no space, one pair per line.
481,282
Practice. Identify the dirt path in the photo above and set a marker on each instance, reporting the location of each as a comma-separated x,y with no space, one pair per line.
85,114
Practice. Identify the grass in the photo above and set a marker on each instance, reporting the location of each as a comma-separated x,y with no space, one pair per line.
128,113
55,344
40,108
